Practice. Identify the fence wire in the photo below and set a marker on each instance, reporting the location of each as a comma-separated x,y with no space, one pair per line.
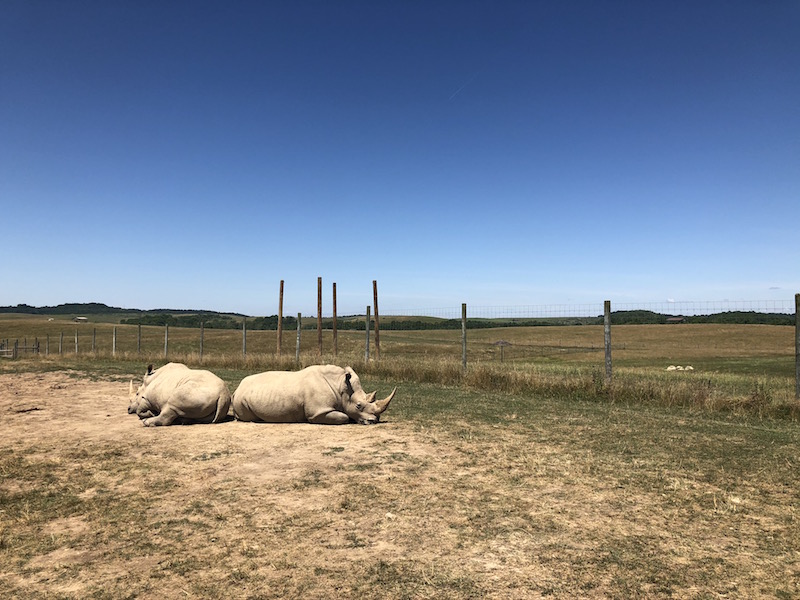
544,311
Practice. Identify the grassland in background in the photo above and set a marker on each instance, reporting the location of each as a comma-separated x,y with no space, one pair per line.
461,493
526,478
738,368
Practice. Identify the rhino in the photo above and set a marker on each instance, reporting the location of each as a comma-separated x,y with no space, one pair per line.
323,394
175,393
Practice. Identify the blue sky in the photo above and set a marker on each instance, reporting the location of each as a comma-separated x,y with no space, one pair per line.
191,154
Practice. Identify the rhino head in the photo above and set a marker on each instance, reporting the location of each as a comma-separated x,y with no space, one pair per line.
135,396
361,407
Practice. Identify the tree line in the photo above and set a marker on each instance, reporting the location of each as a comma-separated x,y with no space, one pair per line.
216,320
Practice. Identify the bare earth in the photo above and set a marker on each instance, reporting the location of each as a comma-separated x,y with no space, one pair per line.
396,510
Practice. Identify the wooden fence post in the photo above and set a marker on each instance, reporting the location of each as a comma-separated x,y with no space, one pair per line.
464,337
335,332
244,336
280,319
139,339
377,321
202,333
797,346
46,345
607,337
166,339
319,314
297,346
61,343
76,341
366,347
114,342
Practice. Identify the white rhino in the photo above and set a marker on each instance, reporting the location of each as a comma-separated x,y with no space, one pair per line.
324,394
176,393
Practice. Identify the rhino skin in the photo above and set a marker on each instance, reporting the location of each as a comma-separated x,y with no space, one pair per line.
321,394
175,393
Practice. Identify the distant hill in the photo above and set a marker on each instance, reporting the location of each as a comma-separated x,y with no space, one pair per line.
217,320
89,308
97,308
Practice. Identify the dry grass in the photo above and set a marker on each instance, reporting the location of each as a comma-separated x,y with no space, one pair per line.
737,368
459,494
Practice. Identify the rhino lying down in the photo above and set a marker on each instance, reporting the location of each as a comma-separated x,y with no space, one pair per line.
324,394
176,393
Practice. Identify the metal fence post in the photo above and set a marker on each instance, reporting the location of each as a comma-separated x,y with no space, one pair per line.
377,321
280,320
366,347
319,315
335,331
297,347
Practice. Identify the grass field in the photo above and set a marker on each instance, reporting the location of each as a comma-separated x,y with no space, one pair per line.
462,492
738,368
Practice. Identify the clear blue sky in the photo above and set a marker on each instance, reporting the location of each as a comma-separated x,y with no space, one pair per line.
191,154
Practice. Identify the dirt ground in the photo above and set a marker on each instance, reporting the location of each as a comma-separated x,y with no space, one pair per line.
243,485
97,505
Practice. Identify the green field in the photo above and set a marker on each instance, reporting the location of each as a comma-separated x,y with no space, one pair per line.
738,368
464,490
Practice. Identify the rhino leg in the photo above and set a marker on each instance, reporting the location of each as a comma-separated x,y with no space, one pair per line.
332,417
167,416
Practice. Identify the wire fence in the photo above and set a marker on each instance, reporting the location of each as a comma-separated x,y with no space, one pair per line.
543,311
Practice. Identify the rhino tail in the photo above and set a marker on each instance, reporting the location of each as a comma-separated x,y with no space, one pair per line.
223,404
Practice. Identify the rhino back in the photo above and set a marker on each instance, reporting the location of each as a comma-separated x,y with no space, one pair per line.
194,394
281,396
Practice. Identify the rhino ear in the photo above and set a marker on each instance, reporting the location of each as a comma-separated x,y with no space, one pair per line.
347,388
150,369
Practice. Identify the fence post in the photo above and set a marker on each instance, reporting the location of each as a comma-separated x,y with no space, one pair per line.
377,321
94,340
797,346
319,314
76,341
47,345
244,337
139,339
464,337
335,332
61,343
166,339
16,349
202,331
297,346
114,342
366,347
280,319
607,337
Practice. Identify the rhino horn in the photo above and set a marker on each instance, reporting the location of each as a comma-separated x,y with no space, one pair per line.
382,405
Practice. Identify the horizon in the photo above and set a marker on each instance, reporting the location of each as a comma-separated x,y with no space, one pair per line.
668,309
498,154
